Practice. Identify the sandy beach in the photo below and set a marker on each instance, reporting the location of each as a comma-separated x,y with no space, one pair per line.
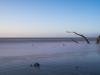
55,58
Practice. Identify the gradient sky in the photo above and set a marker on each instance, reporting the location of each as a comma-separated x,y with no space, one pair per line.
49,18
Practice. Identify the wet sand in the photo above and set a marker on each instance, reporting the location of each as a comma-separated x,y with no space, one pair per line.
55,58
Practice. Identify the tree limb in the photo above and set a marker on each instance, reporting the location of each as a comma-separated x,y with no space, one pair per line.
85,38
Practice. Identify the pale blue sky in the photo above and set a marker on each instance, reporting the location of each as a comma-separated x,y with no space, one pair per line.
49,18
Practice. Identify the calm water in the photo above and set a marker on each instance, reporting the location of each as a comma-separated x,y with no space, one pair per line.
56,58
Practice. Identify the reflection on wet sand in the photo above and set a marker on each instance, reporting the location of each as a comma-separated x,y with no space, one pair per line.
50,58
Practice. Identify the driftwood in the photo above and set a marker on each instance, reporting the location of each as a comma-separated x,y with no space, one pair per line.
74,40
85,38
98,39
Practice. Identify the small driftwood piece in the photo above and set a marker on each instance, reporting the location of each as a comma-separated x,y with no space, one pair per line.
85,38
98,40
74,40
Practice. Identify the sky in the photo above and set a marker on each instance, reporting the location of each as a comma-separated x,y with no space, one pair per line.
49,18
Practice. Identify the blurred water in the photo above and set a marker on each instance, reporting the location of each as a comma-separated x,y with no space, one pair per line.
56,58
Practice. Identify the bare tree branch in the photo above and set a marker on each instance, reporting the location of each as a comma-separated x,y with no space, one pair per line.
86,39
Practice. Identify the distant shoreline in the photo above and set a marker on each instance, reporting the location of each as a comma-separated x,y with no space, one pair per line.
42,39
